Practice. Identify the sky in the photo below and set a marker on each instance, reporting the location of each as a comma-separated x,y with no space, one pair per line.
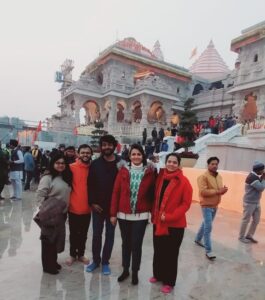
37,36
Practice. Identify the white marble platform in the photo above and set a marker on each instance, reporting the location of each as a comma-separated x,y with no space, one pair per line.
238,272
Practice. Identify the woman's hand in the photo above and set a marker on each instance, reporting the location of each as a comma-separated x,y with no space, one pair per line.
113,220
163,217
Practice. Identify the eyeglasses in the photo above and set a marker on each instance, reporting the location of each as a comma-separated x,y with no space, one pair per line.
59,163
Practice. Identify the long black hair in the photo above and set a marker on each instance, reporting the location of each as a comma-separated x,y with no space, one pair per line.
66,174
140,149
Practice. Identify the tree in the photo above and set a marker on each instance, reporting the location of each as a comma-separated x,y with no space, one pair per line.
186,127
96,134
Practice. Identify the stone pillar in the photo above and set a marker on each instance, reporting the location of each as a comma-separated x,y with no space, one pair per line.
78,106
239,104
112,120
127,112
145,103
261,103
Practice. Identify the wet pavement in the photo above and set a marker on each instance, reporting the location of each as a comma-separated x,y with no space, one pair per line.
237,273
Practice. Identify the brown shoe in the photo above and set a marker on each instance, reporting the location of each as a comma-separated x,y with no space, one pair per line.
84,260
70,260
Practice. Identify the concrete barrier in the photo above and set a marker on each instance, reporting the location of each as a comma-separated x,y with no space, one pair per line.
235,181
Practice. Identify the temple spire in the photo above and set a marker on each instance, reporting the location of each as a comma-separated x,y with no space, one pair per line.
210,64
157,52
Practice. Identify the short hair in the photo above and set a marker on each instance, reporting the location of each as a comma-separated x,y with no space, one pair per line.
140,149
70,148
175,155
84,146
210,159
108,138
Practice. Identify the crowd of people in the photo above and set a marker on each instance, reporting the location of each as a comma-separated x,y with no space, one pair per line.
111,190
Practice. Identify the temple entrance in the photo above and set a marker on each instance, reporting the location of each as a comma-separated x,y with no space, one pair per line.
156,114
137,112
250,109
120,112
92,112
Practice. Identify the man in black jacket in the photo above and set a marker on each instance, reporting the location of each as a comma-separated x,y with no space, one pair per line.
101,180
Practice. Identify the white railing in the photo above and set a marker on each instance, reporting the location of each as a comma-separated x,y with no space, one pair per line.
201,143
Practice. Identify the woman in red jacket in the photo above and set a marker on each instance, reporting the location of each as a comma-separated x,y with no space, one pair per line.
131,203
173,195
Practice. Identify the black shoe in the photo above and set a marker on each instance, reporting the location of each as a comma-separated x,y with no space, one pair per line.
52,272
250,238
135,278
58,266
125,274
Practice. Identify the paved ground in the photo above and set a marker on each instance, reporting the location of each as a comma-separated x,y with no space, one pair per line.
237,273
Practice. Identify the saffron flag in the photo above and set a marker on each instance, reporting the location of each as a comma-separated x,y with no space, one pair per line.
35,135
75,131
193,52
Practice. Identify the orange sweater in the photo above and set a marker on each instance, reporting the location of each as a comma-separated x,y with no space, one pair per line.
79,196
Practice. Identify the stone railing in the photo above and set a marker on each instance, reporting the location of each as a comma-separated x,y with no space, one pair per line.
201,143
225,136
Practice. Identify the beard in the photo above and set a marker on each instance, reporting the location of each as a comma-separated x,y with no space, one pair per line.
107,152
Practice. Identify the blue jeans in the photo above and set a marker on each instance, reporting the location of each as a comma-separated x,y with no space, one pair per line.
98,221
206,227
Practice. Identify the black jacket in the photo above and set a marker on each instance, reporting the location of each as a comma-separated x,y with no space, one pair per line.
101,178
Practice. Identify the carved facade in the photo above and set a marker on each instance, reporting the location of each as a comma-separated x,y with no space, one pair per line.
129,88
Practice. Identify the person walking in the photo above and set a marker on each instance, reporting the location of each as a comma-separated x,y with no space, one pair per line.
254,186
211,189
29,167
102,175
173,196
79,212
131,203
53,194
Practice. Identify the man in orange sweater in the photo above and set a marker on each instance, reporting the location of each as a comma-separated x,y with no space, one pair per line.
79,211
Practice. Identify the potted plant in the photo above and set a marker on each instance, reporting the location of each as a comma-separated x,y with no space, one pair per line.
186,131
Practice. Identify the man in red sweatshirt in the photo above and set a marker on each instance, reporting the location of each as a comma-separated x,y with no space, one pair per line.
79,213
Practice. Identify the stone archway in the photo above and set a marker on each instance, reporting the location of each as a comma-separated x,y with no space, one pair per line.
250,110
120,111
156,113
92,111
137,112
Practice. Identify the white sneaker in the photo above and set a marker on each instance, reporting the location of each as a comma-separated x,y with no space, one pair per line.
211,255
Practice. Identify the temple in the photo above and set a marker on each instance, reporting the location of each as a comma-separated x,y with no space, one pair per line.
129,87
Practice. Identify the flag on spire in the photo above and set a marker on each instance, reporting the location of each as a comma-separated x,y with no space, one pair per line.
193,52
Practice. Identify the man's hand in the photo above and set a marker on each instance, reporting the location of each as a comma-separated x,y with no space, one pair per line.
113,221
163,217
223,190
97,208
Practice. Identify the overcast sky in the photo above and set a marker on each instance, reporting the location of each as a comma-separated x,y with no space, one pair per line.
36,37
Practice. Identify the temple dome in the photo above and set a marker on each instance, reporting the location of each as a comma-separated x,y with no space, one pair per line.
131,44
210,64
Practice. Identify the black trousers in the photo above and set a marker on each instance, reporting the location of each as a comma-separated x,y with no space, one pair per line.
48,255
78,227
29,176
132,234
2,184
166,252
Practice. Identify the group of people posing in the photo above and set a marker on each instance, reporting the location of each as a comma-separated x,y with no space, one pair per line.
114,191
